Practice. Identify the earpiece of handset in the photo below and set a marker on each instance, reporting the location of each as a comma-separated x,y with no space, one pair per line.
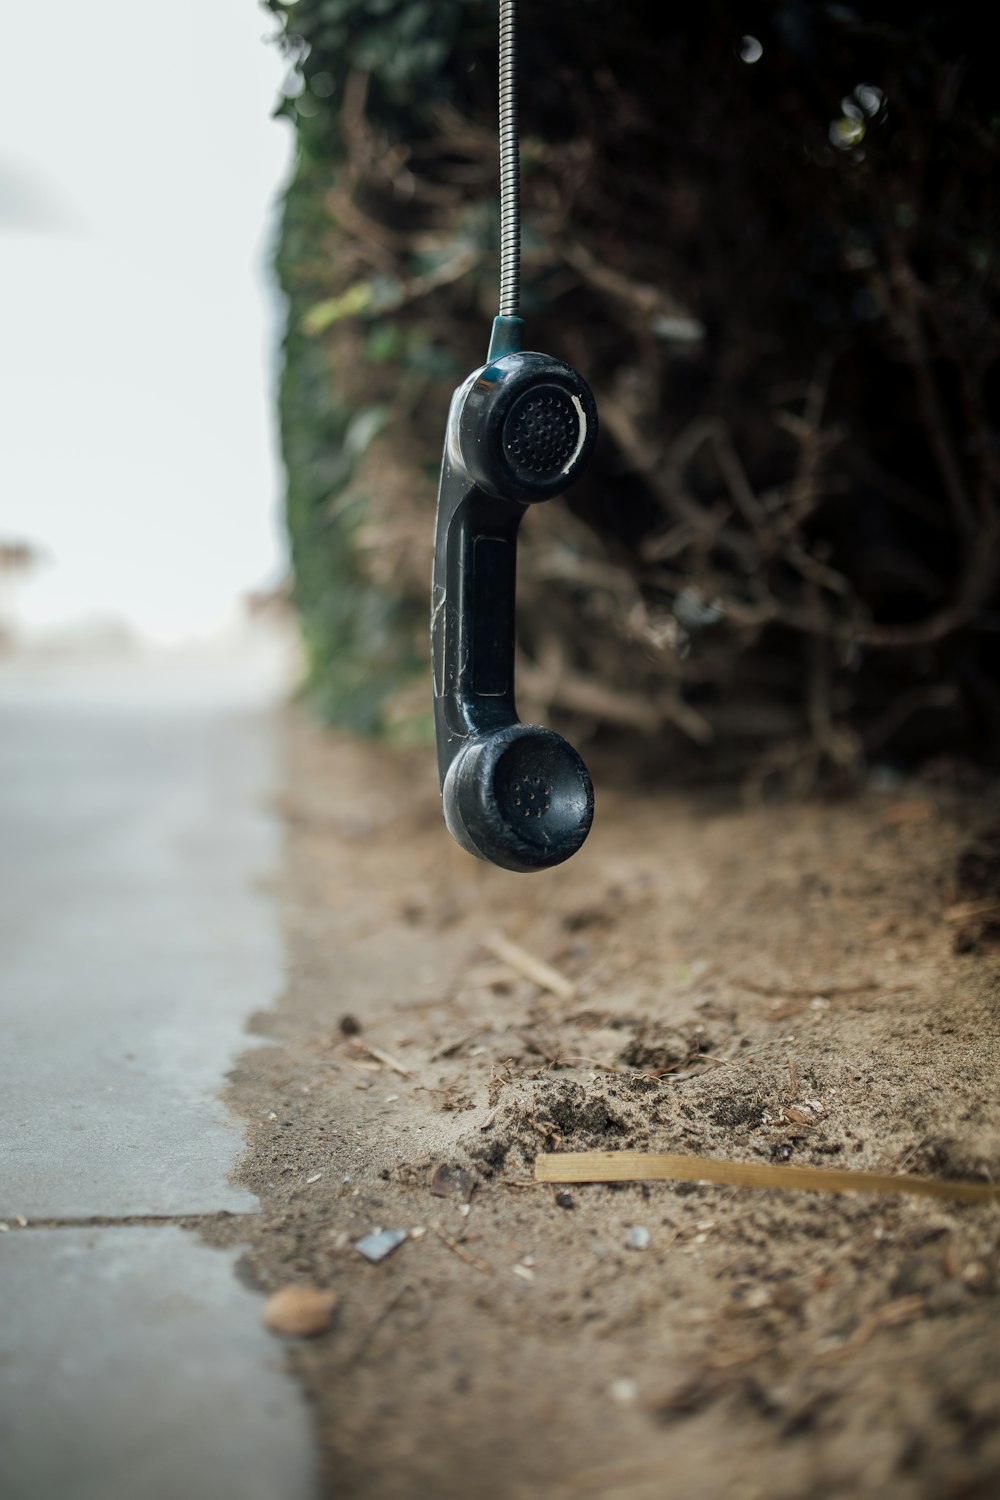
519,431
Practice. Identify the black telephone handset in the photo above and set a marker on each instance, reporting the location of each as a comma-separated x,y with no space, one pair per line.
520,430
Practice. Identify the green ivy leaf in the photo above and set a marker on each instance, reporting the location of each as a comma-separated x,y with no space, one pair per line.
322,315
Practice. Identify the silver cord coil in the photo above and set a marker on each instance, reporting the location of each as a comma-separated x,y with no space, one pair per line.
510,166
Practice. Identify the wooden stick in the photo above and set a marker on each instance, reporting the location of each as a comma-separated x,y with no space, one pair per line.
641,1166
381,1057
526,963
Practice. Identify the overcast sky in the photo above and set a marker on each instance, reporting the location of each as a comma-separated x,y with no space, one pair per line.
138,171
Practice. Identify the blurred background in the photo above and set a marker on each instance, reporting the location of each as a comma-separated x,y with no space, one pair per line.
139,475
767,235
765,232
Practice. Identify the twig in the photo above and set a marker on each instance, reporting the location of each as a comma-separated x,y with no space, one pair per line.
966,909
370,1331
828,991
535,969
583,696
647,301
382,1057
935,426
463,1254
903,1310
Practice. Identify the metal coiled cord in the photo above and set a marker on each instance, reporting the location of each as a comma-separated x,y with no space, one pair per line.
510,166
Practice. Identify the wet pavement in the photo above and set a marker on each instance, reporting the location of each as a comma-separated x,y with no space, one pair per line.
138,934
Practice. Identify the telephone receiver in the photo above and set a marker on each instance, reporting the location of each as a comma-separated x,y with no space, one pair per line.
520,430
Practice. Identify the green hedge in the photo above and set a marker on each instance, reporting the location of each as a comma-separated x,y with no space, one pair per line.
779,272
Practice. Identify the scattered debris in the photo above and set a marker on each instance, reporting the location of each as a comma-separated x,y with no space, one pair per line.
793,1080
738,1108
457,1248
665,1050
378,1056
299,1311
380,1243
964,910
552,1053
449,1180
535,969
765,1289
489,977
903,1310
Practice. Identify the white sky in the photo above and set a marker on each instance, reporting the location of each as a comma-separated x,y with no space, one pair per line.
138,170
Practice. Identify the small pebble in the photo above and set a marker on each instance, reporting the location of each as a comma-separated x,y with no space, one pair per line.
623,1391
638,1238
564,1200
976,1276
299,1311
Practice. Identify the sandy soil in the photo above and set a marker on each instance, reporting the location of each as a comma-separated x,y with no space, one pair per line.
788,983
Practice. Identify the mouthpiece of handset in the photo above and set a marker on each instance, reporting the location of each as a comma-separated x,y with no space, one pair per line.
520,798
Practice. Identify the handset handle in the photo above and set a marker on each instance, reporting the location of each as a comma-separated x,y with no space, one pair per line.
517,795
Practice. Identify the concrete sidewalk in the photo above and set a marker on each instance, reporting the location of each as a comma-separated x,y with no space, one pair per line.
137,936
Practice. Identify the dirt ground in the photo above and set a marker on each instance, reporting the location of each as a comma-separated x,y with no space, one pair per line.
814,982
